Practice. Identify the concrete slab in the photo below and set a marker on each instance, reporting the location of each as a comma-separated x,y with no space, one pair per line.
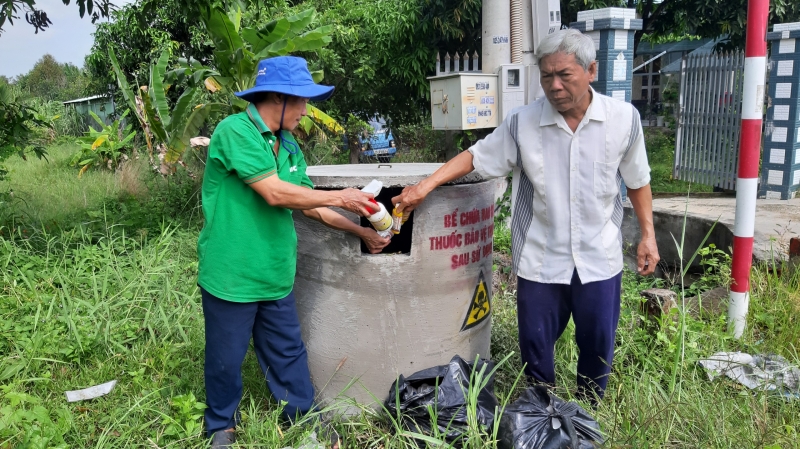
776,220
392,175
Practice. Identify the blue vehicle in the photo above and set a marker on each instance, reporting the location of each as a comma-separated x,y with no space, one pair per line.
380,145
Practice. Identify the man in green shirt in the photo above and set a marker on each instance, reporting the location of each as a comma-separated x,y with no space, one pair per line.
255,176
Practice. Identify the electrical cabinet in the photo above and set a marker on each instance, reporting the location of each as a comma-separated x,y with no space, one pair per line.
546,19
466,100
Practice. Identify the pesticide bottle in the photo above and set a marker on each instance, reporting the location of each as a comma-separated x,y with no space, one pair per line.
398,219
380,220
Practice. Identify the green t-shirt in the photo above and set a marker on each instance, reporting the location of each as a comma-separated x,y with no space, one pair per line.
247,248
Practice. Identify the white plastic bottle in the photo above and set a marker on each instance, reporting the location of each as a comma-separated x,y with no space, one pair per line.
382,219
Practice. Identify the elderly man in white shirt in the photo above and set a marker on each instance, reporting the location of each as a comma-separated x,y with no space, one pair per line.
568,153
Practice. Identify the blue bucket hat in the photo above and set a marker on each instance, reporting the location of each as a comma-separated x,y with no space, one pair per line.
286,75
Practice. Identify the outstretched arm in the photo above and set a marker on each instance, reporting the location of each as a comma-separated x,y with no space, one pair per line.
492,157
285,194
412,196
335,220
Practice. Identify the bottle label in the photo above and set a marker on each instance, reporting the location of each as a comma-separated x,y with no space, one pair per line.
382,223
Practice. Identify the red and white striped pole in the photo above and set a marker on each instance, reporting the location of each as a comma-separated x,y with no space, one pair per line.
755,68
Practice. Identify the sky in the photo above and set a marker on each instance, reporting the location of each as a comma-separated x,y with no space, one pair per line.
68,39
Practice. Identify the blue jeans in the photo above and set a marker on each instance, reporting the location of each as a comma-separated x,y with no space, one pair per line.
543,311
275,329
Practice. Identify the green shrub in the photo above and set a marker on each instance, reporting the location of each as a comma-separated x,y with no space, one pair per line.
103,147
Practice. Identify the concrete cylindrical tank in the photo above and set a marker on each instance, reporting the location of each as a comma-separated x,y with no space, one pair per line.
368,318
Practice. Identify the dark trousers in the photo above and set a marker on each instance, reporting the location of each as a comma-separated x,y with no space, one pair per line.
543,311
275,329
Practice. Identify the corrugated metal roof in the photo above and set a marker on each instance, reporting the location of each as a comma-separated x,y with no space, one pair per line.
707,48
81,100
646,48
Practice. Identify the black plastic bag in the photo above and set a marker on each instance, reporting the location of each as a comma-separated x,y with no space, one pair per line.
539,420
414,395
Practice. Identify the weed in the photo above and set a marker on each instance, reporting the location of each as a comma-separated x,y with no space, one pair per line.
185,420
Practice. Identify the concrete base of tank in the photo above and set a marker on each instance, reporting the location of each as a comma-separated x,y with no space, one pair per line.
775,222
366,319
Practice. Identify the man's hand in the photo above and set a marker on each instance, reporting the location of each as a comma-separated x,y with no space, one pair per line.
411,197
647,256
357,202
374,242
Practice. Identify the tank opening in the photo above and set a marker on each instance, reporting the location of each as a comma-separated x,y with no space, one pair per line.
401,243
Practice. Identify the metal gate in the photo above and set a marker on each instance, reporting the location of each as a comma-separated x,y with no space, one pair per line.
710,103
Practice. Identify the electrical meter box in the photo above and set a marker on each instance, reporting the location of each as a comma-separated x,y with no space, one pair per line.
546,15
513,83
465,100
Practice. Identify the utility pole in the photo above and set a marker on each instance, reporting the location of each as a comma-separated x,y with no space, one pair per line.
755,67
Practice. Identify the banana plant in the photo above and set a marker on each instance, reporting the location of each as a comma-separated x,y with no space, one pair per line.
104,146
167,131
237,51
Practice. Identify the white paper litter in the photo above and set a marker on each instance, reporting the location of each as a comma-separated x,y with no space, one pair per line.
91,392
199,141
310,442
765,372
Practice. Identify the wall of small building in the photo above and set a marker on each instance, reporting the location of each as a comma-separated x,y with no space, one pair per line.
103,107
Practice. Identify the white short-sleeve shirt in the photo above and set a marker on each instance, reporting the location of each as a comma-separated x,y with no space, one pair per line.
566,202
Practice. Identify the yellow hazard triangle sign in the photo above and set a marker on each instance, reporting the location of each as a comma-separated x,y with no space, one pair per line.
480,308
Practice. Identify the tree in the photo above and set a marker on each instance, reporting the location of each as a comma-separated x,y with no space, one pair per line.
16,120
52,81
45,80
677,18
11,9
138,32
380,56
708,18
383,51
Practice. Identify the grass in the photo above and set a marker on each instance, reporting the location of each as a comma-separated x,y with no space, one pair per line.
660,144
82,305
47,192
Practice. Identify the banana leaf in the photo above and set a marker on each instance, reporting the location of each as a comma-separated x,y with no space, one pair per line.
157,88
127,139
152,119
238,105
317,76
97,119
279,48
225,64
324,120
235,16
222,31
179,141
99,141
183,108
301,20
127,93
245,63
270,33
309,44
